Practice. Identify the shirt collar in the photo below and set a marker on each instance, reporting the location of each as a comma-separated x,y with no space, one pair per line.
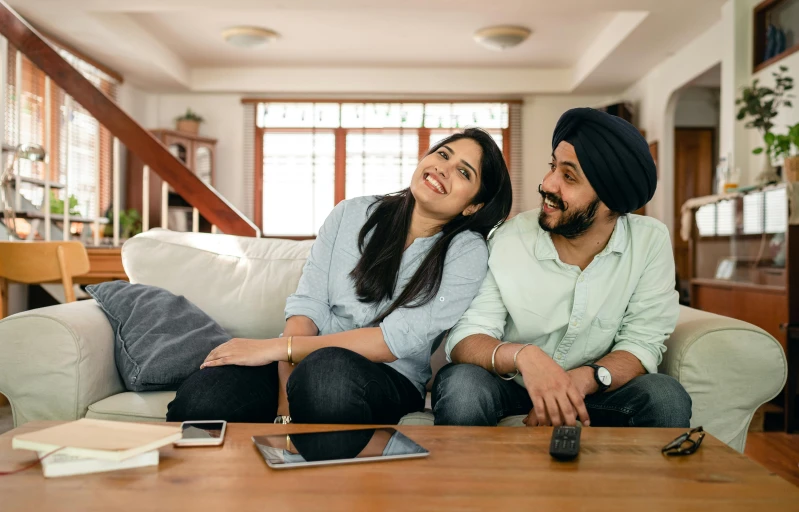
545,249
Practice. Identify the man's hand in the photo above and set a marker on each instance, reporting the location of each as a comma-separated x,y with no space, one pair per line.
243,352
583,379
556,400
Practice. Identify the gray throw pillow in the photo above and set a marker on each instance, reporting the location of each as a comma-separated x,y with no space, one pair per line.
160,338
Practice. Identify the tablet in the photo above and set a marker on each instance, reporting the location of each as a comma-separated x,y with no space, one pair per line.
303,449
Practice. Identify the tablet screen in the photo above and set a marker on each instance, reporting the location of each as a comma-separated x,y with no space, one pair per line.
337,447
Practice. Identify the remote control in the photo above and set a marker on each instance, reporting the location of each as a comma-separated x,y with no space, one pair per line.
565,444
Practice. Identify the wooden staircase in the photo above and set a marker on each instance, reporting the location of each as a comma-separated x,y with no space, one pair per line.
106,263
211,205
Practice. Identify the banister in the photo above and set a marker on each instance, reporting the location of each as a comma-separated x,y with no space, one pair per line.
212,206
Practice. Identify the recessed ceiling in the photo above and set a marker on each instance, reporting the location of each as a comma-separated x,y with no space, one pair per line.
385,38
161,44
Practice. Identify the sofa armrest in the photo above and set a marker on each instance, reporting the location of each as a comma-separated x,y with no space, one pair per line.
56,361
728,367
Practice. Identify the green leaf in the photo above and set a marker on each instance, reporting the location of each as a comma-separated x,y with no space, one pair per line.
757,151
768,138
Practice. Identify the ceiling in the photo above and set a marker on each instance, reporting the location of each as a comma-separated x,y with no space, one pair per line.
576,45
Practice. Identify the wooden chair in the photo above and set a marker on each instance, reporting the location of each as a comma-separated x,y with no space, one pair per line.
40,262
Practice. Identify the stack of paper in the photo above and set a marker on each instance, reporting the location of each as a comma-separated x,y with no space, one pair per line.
91,446
59,464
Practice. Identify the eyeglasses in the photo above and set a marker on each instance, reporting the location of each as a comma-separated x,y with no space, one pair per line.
684,444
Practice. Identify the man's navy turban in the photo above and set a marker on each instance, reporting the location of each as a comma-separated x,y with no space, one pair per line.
613,155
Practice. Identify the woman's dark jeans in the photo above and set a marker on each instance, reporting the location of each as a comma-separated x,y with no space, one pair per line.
331,385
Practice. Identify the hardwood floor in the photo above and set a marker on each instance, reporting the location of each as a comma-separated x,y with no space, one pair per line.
776,451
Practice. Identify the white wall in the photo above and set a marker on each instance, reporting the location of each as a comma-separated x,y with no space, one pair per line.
224,121
134,102
737,140
787,116
698,107
656,98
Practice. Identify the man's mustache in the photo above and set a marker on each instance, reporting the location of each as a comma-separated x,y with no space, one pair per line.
554,199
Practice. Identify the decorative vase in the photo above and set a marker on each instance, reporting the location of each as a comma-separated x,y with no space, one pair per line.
769,174
188,126
790,169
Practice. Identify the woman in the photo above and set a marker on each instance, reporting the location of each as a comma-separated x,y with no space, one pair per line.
384,279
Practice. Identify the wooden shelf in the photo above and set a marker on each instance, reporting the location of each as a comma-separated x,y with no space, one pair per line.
722,283
60,217
760,19
763,65
36,181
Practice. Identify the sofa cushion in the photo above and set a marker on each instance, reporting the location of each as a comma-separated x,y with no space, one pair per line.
159,338
427,418
152,407
132,406
242,283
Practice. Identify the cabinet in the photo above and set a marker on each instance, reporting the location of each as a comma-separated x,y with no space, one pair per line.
745,265
198,153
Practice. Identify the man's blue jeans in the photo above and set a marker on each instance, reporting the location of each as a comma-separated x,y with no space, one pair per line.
465,394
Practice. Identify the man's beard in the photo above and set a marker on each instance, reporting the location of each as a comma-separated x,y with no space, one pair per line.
573,223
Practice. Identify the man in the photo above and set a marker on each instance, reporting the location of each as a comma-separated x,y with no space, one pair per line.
578,300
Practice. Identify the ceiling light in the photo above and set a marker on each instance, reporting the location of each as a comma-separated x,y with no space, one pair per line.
501,37
248,37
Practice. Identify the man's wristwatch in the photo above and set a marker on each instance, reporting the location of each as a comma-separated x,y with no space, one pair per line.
601,376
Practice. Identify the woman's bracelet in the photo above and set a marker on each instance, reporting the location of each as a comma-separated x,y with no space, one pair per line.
288,350
493,363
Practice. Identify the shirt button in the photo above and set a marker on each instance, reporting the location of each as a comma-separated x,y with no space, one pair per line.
441,299
575,323
581,279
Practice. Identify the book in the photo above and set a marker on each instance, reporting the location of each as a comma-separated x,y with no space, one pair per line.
59,464
98,439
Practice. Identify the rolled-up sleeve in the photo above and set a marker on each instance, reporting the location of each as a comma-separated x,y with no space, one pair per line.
312,298
653,309
486,315
412,331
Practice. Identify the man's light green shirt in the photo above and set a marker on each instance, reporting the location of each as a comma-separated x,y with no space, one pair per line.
624,300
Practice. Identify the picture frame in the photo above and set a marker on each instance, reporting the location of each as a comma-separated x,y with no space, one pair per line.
726,268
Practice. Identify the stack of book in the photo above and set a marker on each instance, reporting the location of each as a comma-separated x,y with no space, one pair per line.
94,446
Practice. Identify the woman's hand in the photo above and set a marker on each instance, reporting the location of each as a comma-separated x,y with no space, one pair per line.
244,352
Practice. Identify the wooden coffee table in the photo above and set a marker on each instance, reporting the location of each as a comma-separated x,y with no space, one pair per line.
498,469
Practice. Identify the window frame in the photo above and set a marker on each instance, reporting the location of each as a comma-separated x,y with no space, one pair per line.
53,129
340,178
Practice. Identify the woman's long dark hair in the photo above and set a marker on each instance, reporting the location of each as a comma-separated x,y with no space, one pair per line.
377,271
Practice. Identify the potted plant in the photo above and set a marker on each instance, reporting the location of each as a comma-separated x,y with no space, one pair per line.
790,165
189,122
57,204
129,223
761,105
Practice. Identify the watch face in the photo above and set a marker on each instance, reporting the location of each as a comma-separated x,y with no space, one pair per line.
604,375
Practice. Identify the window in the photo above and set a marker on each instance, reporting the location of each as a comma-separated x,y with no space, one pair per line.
299,175
380,162
79,149
310,156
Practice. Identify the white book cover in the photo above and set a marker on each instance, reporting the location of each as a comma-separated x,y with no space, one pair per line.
98,439
61,464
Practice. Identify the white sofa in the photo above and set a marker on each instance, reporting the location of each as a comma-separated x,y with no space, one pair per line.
57,363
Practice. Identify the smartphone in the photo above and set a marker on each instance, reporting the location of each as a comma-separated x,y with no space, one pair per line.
202,433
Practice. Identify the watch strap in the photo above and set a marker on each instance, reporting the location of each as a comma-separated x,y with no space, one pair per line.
602,386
